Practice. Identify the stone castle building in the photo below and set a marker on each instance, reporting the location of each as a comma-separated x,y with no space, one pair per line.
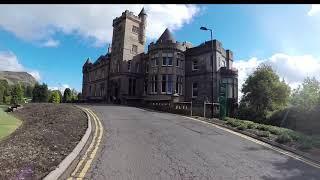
128,74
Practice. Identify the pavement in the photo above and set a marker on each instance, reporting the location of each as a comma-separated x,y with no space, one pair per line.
144,145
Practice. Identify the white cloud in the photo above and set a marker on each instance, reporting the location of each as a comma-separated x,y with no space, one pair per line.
292,68
10,62
41,22
61,87
51,43
315,9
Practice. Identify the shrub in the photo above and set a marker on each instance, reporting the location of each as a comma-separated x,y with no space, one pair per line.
263,133
242,126
306,145
262,127
251,126
284,138
233,122
275,130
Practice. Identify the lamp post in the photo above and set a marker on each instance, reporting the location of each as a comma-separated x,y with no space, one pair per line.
212,96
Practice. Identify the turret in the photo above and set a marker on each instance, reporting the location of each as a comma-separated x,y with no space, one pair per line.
142,35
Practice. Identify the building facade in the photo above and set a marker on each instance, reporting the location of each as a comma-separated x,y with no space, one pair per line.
127,74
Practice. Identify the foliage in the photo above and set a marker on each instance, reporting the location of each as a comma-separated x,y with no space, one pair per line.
28,91
307,95
16,94
55,96
40,93
282,135
263,93
67,95
263,133
284,138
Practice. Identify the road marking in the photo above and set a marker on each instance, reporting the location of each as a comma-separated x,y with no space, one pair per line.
290,154
95,143
94,152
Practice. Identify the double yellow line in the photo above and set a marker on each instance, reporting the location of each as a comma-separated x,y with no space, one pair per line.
85,162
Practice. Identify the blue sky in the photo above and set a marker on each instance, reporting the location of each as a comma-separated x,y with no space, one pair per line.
53,41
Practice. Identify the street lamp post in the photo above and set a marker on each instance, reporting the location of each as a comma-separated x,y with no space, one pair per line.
212,96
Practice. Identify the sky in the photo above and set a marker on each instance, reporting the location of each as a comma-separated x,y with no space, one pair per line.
52,42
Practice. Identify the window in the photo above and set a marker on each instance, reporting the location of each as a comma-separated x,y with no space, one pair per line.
146,85
129,66
167,84
169,59
135,49
179,85
164,61
195,65
101,89
163,84
90,90
194,89
132,87
154,83
138,67
135,29
178,62
118,67
147,67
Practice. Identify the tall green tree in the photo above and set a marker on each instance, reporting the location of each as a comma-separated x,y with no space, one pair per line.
17,94
28,91
40,93
263,93
5,92
67,95
55,97
307,95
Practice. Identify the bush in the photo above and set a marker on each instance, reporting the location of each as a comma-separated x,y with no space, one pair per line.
233,122
262,127
275,130
242,126
263,133
305,145
284,138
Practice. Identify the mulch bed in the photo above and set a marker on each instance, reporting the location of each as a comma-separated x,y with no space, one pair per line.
48,134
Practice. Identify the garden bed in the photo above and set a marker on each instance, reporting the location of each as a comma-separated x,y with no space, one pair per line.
49,132
296,141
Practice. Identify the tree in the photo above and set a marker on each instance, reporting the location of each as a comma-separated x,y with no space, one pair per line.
40,93
55,97
74,95
263,93
67,95
28,91
307,95
17,94
5,92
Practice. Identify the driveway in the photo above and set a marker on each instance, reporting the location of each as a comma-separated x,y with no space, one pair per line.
145,145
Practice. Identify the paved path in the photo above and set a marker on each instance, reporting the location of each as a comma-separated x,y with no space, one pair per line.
145,145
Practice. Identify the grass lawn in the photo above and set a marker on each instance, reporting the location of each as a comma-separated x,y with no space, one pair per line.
8,123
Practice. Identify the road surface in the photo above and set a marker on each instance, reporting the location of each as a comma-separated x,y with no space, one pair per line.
146,145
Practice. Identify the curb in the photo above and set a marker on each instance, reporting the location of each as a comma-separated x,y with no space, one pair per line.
65,168
294,151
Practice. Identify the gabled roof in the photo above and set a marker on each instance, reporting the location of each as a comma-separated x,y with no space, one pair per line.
166,36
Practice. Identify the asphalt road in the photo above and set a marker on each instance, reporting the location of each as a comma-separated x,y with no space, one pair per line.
145,145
